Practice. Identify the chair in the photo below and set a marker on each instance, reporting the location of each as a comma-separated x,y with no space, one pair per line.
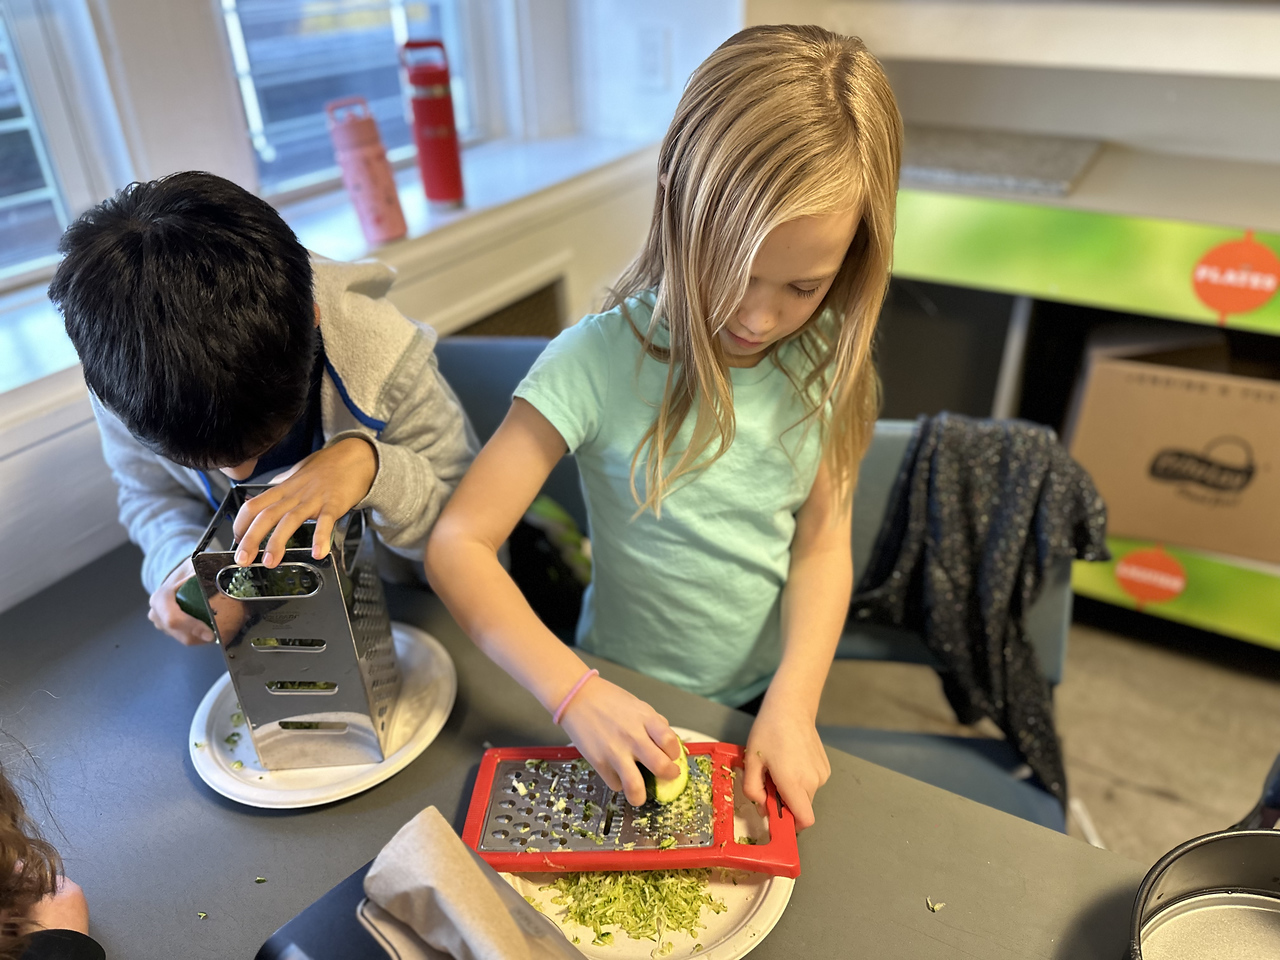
982,769
484,372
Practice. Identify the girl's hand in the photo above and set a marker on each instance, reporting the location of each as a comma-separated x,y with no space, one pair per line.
614,730
65,909
785,743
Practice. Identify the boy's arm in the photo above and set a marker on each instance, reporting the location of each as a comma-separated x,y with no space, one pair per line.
815,601
422,452
161,516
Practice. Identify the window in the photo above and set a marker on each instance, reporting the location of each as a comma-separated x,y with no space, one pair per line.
33,213
293,56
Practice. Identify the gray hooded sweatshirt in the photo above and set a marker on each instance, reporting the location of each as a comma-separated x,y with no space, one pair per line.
381,383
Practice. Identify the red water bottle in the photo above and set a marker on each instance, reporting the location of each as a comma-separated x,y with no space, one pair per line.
434,130
365,171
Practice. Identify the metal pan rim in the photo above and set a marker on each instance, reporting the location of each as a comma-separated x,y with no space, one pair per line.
1138,927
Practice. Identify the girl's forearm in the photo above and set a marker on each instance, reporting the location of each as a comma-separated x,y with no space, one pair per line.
815,603
492,611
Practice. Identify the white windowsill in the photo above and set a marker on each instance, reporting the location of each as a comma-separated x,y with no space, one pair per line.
494,174
34,345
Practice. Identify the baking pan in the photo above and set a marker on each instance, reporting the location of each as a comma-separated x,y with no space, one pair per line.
1216,897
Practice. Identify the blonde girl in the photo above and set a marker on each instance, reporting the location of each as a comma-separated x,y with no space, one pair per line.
718,410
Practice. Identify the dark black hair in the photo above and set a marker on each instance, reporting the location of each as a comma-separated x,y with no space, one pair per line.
190,303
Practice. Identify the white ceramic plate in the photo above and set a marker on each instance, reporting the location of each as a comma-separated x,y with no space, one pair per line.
429,685
755,903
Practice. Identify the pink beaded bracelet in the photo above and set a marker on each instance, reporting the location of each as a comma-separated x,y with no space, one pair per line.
564,704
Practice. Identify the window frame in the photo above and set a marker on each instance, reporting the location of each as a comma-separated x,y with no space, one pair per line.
67,90
474,19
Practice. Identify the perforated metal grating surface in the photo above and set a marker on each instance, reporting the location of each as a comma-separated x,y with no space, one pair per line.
371,626
565,805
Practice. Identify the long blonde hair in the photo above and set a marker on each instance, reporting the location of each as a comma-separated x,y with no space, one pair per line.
780,122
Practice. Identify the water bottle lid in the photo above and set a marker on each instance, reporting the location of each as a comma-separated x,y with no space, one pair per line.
425,63
351,124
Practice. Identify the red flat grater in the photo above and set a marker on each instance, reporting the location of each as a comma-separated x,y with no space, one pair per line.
544,809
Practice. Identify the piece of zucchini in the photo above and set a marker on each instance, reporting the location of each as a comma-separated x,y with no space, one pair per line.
665,791
191,601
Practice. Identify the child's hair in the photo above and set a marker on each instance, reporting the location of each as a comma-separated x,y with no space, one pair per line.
29,868
190,303
780,122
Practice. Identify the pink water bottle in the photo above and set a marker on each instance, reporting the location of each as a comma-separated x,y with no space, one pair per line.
365,171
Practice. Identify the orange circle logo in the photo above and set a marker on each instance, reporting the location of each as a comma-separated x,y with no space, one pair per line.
1151,576
1236,277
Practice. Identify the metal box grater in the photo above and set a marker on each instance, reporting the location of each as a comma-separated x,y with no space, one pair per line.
307,643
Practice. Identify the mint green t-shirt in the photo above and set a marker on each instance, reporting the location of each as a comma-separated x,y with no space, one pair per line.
692,597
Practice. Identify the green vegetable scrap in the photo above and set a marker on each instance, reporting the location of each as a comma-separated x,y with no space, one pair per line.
667,843
237,719
751,841
201,914
199,744
248,583
259,879
233,739
238,765
933,907
645,905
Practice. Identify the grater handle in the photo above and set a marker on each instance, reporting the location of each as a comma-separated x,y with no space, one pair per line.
780,856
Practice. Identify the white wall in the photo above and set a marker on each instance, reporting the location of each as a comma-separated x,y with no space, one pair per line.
636,57
60,502
1189,78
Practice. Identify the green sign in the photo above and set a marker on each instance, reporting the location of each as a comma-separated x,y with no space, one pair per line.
1239,599
1130,264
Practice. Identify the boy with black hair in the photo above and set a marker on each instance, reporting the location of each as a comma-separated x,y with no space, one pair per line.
217,351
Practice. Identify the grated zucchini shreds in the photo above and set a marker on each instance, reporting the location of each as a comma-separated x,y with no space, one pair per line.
645,904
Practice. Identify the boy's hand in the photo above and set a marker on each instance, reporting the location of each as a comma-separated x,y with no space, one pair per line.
168,616
786,743
65,909
614,730
323,487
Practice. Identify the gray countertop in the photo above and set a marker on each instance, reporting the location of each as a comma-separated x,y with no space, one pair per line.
95,708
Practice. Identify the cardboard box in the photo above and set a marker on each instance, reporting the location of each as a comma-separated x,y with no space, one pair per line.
1182,455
